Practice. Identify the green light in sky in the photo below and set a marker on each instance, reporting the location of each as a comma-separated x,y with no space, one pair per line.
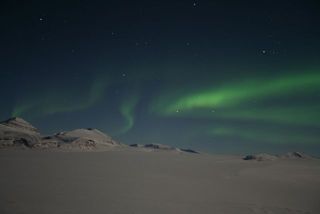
271,135
303,115
19,110
239,93
306,115
233,102
59,100
127,111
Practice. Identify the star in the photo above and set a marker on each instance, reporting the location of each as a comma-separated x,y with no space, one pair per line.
124,75
264,51
194,4
41,19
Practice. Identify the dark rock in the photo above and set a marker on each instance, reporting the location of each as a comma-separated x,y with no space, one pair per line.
190,151
260,157
19,123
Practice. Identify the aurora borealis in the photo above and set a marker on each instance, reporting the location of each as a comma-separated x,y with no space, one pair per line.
214,76
127,110
234,95
52,102
235,101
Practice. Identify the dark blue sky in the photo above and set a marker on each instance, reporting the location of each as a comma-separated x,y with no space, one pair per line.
218,76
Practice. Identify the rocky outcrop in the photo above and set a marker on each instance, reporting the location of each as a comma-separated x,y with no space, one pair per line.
260,157
18,133
20,124
190,151
162,147
295,155
268,157
82,139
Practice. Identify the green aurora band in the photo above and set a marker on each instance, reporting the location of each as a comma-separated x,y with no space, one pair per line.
270,135
60,101
230,96
232,104
306,115
291,115
127,111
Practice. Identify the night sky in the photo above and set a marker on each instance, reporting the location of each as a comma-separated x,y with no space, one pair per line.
217,76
